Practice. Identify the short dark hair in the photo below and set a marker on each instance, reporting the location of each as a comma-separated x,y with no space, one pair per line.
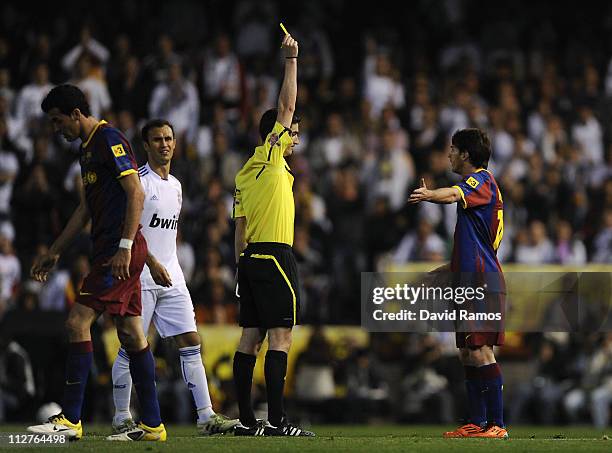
266,124
66,98
476,143
154,124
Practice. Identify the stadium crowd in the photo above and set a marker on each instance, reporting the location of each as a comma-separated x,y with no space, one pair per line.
377,109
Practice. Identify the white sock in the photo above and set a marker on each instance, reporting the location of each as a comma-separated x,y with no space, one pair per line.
122,387
194,376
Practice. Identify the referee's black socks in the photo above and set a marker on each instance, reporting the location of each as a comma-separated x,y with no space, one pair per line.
275,369
243,380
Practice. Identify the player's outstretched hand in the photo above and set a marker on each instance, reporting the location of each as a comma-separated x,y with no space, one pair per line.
42,266
290,46
420,194
159,273
120,264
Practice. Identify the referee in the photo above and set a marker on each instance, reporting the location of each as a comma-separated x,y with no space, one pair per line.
264,212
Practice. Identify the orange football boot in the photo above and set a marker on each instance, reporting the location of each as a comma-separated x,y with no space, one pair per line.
493,432
469,430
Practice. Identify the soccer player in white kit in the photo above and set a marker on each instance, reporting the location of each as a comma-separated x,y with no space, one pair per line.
165,298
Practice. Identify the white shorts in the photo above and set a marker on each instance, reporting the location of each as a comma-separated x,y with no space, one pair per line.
170,309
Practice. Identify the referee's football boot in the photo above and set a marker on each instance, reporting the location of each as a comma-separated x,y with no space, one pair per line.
141,432
286,429
217,424
59,425
256,430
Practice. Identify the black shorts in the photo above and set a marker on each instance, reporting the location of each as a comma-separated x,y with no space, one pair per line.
268,286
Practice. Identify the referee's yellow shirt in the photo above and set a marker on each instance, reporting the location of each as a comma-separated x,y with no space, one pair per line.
264,191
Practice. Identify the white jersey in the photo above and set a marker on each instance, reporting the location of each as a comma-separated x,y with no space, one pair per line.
160,216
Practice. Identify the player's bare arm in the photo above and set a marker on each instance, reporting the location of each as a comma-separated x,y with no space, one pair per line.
159,273
240,237
45,262
445,195
120,262
288,93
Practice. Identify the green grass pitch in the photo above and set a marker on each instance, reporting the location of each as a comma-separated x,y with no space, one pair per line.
371,439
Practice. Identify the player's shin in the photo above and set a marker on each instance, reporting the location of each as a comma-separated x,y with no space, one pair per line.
78,364
122,387
243,380
275,370
493,391
194,376
142,369
476,399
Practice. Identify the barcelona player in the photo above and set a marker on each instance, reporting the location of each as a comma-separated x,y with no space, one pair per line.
478,233
112,198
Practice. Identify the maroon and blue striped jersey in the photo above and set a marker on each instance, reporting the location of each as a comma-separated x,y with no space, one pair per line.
106,156
480,224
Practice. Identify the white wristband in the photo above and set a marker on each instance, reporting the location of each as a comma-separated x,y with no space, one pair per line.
125,244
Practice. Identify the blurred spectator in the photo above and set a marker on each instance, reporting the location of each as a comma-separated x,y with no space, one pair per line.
595,390
603,240
6,91
314,372
422,245
39,52
9,168
224,162
222,75
176,100
87,46
453,115
545,388
10,273
314,282
36,215
390,172
425,394
316,53
27,106
253,28
335,146
381,85
17,387
533,245
587,133
119,59
94,88
128,90
157,65
568,250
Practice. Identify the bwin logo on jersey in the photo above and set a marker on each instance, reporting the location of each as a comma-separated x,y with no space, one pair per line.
168,224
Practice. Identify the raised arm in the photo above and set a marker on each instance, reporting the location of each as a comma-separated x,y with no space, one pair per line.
288,93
